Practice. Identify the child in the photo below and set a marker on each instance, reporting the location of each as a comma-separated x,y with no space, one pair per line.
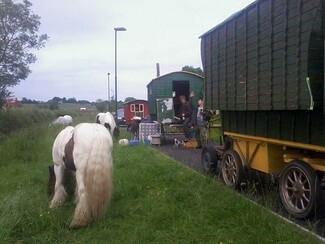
200,126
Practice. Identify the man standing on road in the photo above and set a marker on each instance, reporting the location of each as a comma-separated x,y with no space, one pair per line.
186,112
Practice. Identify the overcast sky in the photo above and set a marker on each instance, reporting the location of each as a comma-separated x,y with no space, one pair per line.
80,51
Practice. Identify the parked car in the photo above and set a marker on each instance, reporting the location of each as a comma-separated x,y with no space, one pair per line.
120,117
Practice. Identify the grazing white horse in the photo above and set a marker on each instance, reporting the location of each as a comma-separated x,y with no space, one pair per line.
87,149
62,120
107,120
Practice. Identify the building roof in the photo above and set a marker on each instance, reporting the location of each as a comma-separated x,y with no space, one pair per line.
136,100
175,72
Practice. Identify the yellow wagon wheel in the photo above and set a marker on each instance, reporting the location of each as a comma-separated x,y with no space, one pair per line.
299,189
232,170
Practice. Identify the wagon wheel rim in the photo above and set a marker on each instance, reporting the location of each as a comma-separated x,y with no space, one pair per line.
229,170
296,188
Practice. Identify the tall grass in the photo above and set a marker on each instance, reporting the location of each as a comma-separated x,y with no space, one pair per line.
15,119
155,200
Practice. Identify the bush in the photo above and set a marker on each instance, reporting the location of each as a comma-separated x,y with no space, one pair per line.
101,107
12,120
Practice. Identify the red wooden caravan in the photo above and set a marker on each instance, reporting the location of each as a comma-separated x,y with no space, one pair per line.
133,108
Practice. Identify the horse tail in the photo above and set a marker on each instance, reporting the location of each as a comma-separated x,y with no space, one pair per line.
98,177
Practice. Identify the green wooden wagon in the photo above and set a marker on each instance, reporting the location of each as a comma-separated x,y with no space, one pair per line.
264,70
164,92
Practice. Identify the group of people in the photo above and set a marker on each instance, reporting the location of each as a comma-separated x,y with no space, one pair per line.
195,116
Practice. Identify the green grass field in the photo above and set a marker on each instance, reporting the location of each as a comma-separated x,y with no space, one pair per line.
155,200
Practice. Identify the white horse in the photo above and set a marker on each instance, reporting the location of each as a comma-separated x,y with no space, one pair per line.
107,120
65,120
87,149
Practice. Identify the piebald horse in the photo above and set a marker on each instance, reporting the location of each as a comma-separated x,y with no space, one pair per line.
87,150
107,120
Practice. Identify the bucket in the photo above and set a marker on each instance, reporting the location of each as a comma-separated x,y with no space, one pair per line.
155,140
133,143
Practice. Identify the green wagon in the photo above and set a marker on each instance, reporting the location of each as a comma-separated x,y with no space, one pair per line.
164,92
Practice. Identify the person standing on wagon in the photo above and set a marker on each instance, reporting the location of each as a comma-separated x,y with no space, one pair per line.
186,112
200,126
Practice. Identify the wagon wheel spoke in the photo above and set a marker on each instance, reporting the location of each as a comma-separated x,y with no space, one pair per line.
233,179
295,176
306,198
290,179
302,203
289,188
306,189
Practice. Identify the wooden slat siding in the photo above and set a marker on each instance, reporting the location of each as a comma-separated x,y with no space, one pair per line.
221,66
289,24
299,10
214,89
273,3
208,74
285,56
295,125
277,62
240,70
231,64
246,62
252,46
264,55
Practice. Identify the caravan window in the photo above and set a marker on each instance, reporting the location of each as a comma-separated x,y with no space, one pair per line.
137,107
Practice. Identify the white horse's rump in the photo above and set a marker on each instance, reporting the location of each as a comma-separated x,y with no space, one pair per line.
91,148
62,120
107,120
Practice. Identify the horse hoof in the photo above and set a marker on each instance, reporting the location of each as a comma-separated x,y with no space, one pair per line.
77,225
55,204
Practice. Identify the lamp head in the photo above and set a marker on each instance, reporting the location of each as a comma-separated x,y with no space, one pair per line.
119,29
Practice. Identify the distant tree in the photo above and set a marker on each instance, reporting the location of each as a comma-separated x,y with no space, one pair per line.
53,105
83,101
56,99
128,99
197,70
24,100
72,100
18,36
101,105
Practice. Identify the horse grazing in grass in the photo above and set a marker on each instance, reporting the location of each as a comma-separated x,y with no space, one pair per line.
65,120
87,150
107,120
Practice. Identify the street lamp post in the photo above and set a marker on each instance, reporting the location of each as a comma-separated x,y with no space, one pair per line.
116,30
108,94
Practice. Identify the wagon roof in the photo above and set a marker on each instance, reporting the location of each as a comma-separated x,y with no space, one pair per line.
136,100
175,72
229,18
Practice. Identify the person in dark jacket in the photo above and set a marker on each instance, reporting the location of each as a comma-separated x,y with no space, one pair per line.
186,112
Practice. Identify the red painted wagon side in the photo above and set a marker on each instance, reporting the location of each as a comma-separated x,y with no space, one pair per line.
133,108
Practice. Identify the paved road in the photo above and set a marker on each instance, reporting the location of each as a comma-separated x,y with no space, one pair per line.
187,156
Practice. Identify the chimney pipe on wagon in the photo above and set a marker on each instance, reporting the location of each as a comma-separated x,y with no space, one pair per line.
158,69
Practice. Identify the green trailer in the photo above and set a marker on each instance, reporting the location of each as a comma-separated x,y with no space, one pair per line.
264,71
164,92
